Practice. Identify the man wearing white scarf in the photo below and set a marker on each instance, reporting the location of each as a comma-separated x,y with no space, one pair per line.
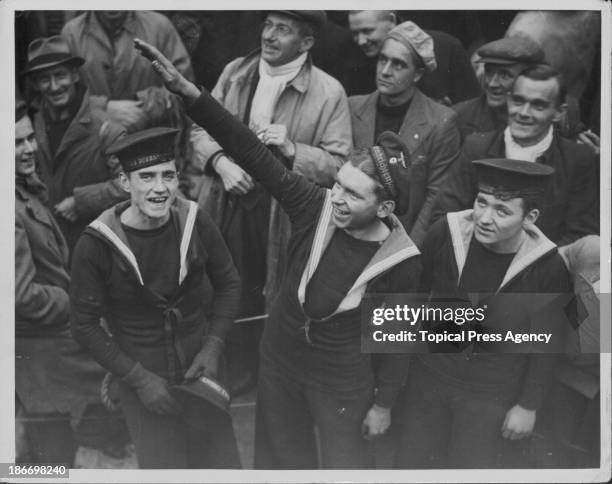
535,102
302,114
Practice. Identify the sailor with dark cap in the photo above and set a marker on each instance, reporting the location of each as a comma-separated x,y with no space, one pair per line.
345,243
458,407
503,60
157,270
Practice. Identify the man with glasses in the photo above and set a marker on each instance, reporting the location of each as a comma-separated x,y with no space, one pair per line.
299,112
157,269
428,128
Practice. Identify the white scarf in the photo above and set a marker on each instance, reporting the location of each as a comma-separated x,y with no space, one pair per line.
514,151
272,82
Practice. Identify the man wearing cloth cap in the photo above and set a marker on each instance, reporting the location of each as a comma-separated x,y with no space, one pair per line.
162,332
428,128
453,80
345,243
503,61
458,407
536,101
302,114
73,132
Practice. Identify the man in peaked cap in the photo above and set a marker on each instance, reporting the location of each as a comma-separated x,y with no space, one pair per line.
345,243
503,60
157,269
457,408
427,128
73,132
302,114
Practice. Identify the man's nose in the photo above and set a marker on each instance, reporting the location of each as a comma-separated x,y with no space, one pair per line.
159,185
362,39
486,216
494,80
524,110
30,146
386,69
54,85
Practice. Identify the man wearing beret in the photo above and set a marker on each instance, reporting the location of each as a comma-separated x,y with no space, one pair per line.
536,101
54,380
73,132
453,80
166,321
428,128
345,243
461,403
503,61
302,114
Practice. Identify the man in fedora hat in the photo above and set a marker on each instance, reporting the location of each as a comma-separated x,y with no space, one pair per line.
461,404
345,243
168,320
301,113
428,128
73,132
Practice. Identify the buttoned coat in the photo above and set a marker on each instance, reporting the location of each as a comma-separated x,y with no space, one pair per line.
431,135
80,167
315,111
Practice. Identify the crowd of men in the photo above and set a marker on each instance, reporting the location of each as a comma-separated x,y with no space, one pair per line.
150,216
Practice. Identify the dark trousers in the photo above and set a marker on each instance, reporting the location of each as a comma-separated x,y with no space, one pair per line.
286,415
168,442
443,423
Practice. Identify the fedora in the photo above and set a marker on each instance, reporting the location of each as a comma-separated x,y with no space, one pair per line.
49,52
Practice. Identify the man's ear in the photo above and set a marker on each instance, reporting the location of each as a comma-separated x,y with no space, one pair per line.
385,208
418,74
124,181
531,216
307,43
561,113
391,17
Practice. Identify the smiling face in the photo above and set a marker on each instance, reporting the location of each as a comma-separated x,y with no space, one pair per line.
369,29
533,106
152,190
57,85
25,147
498,80
396,73
498,224
282,40
356,207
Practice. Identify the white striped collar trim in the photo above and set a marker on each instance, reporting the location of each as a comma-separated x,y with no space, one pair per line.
119,244
186,238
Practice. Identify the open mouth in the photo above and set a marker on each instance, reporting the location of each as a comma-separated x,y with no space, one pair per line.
340,213
157,200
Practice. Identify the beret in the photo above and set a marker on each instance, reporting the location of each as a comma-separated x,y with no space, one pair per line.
315,17
417,40
512,178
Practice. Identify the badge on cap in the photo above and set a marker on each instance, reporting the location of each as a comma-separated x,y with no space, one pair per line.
394,160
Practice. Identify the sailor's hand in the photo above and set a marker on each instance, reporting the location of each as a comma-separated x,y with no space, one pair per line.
376,422
67,209
174,81
206,362
235,179
152,390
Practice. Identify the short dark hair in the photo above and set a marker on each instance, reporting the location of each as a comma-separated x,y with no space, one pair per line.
544,72
362,160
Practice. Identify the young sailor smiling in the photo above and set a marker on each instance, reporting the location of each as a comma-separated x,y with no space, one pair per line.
345,242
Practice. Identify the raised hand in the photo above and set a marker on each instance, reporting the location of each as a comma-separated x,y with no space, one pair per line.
174,81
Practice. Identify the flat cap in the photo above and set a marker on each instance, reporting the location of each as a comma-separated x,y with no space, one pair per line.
314,17
506,178
511,50
144,148
203,400
417,40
